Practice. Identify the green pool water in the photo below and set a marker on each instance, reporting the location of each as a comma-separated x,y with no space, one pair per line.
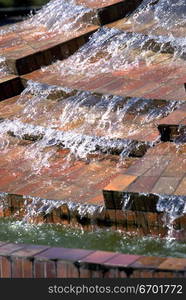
108,240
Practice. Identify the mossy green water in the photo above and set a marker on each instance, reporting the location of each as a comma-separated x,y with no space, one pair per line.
108,240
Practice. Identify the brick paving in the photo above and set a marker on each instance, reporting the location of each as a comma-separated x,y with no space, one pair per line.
35,46
141,126
59,179
25,51
162,171
166,75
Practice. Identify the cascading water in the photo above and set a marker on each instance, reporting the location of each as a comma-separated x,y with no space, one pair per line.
68,16
173,208
58,17
78,115
85,122
64,17
3,67
166,14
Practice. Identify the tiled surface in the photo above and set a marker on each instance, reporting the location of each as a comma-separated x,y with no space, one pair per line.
26,51
162,78
28,47
148,25
161,171
75,263
59,179
132,125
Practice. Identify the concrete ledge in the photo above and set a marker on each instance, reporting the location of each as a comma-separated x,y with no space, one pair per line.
30,261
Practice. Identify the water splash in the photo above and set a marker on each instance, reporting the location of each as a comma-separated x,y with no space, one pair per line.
83,122
56,17
167,14
68,16
173,208
3,67
36,207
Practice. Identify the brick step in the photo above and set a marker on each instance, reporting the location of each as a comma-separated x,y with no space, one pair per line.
64,192
148,24
10,85
31,53
173,127
110,10
49,172
90,216
114,146
27,48
172,133
31,261
160,173
154,76
157,43
132,119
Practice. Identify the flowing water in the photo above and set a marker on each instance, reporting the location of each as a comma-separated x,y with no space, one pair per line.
82,122
166,14
57,16
86,122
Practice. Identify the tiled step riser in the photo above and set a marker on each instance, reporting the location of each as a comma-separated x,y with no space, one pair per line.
10,88
136,222
30,261
114,147
116,11
41,58
172,133
134,201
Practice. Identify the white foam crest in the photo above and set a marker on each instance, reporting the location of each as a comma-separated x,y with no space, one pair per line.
36,206
173,207
57,16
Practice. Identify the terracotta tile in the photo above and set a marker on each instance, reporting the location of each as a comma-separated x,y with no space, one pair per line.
143,184
176,168
98,257
166,185
29,251
122,260
175,264
120,183
181,189
8,249
150,262
63,254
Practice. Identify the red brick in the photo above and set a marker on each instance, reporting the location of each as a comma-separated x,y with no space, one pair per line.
122,260
148,262
67,269
174,264
143,184
5,267
98,257
8,249
63,254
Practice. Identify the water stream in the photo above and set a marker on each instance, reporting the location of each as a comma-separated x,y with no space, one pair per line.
79,119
